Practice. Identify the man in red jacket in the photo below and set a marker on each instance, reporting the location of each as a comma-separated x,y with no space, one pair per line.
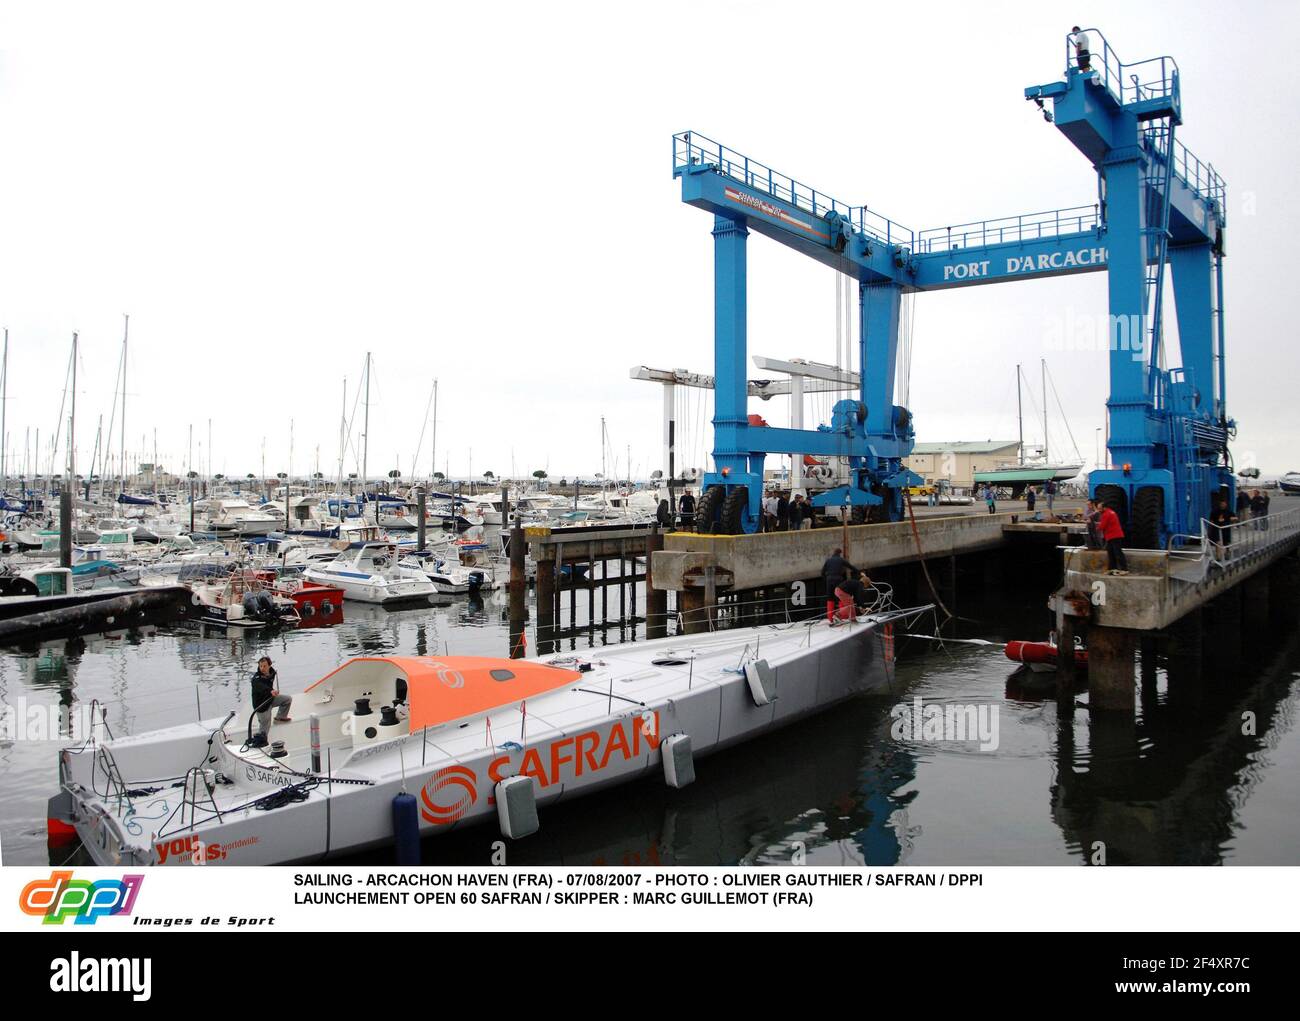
1112,534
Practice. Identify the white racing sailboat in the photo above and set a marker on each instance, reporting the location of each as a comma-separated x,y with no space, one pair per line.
474,740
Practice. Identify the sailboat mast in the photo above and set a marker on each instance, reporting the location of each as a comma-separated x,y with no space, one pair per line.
4,395
126,331
433,456
72,419
1020,416
1043,364
365,439
343,425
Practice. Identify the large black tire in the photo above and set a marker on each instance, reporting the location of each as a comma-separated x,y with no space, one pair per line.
732,519
858,515
1116,499
707,507
1148,517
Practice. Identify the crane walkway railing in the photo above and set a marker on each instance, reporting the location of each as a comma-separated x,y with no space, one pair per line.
1138,82
693,150
1200,177
1026,227
1142,82
1223,548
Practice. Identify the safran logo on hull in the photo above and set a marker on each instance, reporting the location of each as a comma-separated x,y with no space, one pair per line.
452,791
61,897
448,795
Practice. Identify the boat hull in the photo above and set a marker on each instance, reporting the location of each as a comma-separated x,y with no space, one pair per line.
599,745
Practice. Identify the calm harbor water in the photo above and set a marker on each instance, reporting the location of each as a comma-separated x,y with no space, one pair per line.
1181,784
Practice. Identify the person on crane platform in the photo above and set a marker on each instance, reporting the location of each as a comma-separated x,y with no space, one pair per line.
1221,519
1082,51
686,505
1259,509
1112,534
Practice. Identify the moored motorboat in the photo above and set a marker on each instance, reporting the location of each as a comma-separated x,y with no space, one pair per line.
369,573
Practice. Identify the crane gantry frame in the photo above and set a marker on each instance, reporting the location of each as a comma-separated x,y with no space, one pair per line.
1157,205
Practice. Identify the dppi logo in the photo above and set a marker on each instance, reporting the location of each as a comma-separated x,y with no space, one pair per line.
460,785
61,897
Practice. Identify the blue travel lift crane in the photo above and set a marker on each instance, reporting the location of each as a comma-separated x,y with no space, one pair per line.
1158,206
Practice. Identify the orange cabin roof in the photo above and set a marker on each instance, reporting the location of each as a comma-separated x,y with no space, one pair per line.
445,688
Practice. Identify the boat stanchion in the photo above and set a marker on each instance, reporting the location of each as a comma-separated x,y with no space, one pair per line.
517,807
315,743
679,763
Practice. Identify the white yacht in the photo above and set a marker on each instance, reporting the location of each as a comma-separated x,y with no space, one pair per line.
232,516
369,573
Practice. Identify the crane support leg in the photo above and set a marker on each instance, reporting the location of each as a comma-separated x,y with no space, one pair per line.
731,454
879,354
1192,268
1126,197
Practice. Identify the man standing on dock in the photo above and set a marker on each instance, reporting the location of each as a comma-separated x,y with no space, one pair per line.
687,507
1112,534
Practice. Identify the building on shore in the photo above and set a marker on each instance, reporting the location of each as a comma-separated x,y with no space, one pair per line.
956,463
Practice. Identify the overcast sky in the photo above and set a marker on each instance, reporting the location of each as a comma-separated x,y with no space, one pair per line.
483,194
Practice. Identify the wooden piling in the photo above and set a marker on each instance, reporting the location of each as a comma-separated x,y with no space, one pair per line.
694,613
1065,666
65,526
517,590
421,502
1111,682
656,600
546,578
